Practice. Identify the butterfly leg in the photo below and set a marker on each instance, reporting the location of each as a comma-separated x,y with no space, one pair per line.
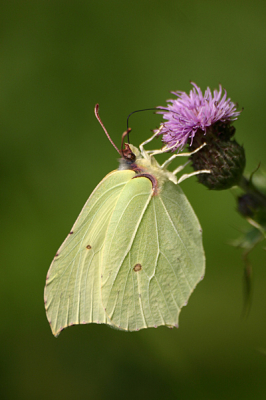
141,146
164,149
169,160
186,176
181,167
151,153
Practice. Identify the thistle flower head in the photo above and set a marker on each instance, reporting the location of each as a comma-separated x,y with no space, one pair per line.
195,114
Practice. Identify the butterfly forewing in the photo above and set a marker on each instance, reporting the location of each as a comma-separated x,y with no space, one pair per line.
72,292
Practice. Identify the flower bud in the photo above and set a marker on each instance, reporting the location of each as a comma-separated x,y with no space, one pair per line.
224,158
252,204
248,205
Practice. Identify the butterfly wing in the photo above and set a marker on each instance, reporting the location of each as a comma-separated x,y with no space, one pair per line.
153,256
72,291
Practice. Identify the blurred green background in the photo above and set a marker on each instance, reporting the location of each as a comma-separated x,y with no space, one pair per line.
57,59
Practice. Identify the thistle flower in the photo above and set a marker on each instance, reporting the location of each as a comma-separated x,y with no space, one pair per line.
195,114
198,119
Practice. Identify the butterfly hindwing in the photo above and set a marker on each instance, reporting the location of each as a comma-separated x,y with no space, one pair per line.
153,256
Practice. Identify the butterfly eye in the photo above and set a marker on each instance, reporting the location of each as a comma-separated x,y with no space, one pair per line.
127,153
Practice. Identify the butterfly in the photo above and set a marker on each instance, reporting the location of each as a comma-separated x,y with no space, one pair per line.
134,255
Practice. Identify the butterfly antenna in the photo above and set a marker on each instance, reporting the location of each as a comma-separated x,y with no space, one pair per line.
147,109
144,109
96,112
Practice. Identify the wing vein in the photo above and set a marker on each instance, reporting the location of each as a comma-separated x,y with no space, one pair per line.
131,240
173,225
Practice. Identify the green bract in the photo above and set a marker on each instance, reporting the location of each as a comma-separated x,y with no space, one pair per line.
134,255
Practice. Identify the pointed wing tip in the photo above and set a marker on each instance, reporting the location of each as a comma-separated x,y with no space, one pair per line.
56,332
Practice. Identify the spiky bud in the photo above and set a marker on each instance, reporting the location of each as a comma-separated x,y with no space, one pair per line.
252,203
248,205
224,158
